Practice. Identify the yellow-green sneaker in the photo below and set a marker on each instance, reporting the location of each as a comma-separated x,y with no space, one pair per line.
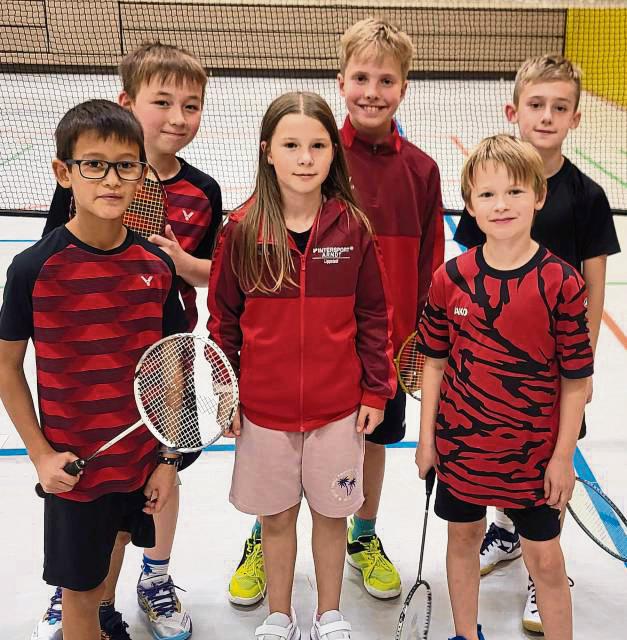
248,584
380,576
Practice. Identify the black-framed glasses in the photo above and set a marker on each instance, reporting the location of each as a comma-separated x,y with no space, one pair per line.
97,169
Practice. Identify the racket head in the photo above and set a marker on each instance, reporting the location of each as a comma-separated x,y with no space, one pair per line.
186,391
599,518
147,213
415,617
409,363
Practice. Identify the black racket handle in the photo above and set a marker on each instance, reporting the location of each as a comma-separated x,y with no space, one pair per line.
73,468
430,481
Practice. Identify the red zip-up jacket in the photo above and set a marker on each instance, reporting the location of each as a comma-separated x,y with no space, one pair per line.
398,187
310,354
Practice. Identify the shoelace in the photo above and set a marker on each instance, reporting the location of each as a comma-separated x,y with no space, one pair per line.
53,613
532,589
490,538
114,628
253,558
162,597
374,551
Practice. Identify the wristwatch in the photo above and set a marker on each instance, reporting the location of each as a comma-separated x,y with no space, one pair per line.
174,461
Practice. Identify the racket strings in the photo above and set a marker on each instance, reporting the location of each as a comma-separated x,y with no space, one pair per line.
410,364
600,519
187,392
146,213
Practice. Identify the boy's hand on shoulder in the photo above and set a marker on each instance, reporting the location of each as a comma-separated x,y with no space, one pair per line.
425,458
559,481
368,419
169,244
159,488
52,477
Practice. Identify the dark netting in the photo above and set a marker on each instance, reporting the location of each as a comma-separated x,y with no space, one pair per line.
56,53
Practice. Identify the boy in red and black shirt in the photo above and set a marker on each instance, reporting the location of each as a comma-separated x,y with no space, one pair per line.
92,296
504,386
164,87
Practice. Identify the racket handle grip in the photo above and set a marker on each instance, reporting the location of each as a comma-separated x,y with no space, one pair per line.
430,481
72,468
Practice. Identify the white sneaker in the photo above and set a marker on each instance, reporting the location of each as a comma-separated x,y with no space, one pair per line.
531,616
499,545
49,627
331,626
278,626
166,617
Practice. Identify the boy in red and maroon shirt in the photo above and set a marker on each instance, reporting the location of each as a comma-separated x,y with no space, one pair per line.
398,187
92,296
164,87
504,384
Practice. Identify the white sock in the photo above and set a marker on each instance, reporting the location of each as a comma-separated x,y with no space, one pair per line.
501,520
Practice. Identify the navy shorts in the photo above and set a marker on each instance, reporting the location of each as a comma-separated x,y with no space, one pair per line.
532,523
79,536
392,429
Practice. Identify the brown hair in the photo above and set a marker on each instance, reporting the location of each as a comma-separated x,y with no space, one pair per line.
164,61
267,269
547,68
377,37
522,161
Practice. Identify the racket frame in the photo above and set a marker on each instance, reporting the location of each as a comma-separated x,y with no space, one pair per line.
619,514
409,390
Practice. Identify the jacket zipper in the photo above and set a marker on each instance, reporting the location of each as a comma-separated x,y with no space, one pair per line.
302,337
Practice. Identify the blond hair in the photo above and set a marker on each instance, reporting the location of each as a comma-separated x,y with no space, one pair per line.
547,68
262,259
377,38
163,61
523,163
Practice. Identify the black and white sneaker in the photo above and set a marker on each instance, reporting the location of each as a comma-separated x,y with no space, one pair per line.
499,545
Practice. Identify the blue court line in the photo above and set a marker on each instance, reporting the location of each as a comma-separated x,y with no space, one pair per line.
2,240
453,227
613,527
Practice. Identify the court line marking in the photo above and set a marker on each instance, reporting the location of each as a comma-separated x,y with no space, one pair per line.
614,328
600,167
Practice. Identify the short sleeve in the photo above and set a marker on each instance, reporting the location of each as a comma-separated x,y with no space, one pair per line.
574,353
16,314
468,232
598,233
433,330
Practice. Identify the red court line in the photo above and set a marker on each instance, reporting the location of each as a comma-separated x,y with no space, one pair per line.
458,143
615,329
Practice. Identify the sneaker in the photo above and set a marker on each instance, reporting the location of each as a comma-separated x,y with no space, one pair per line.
331,626
531,616
112,627
248,583
278,626
49,627
381,579
499,545
479,634
166,617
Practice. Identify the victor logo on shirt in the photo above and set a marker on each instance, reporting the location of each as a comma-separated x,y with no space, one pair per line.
332,255
188,214
147,280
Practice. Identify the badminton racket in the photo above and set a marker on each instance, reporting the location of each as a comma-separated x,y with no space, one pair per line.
415,618
599,518
186,394
409,363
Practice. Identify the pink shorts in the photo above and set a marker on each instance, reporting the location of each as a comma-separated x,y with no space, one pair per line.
273,469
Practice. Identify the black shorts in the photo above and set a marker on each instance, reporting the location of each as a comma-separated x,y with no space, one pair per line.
79,536
392,429
533,523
